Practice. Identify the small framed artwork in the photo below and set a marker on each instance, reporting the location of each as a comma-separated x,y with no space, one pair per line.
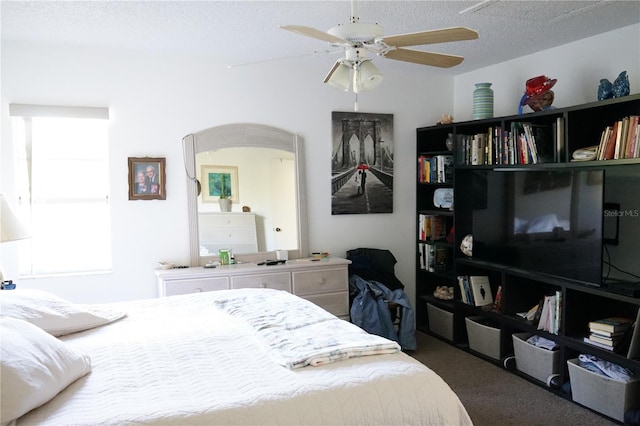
219,181
147,178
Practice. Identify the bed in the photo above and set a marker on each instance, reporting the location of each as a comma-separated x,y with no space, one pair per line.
232,357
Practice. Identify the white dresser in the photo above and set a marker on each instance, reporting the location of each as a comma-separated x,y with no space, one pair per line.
235,231
324,282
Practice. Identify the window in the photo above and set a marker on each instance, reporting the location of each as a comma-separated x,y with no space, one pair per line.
63,186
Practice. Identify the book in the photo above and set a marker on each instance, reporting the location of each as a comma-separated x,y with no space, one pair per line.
618,142
550,313
481,290
604,340
438,228
497,304
608,334
621,139
544,323
531,141
632,136
600,345
604,140
559,139
463,289
636,143
557,313
441,258
427,255
424,169
611,324
444,168
610,146
424,232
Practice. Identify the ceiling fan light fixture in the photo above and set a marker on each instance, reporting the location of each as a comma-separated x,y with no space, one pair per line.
368,76
339,76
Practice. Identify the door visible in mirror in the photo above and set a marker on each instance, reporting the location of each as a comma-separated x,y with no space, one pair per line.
266,185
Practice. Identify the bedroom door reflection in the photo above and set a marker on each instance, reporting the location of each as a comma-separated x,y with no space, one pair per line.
284,230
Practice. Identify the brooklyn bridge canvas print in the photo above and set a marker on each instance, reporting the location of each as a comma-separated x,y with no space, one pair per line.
361,163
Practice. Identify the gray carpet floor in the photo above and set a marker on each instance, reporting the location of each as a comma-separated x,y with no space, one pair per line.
493,396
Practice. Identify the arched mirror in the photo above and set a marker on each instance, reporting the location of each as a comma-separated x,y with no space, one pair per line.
260,170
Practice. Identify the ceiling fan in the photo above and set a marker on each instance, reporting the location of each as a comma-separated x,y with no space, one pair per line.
356,70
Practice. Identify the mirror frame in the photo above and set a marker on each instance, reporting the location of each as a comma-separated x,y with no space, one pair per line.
243,135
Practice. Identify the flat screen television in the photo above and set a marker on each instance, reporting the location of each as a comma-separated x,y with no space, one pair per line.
541,221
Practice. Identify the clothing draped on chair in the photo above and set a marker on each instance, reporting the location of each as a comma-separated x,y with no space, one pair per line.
370,311
374,287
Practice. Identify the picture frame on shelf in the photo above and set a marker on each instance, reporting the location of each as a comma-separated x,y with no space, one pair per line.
217,180
147,178
481,289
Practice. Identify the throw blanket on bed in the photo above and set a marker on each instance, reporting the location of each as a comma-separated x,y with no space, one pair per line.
298,333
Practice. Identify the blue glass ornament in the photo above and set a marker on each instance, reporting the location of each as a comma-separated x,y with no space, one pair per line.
605,90
621,85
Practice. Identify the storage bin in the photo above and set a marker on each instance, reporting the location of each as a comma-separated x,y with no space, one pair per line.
482,337
440,321
539,363
600,393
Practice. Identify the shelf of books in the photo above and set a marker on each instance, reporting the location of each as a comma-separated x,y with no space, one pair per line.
546,298
434,220
512,143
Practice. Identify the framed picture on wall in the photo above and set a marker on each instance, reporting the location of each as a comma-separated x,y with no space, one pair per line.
361,163
147,178
219,181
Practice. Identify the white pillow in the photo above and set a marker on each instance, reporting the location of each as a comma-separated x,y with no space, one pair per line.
53,314
35,367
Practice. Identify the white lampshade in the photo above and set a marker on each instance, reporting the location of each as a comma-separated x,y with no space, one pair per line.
369,77
339,76
11,228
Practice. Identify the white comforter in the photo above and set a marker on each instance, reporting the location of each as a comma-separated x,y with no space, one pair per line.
181,360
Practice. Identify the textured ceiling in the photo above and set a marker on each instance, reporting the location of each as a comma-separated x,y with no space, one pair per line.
239,32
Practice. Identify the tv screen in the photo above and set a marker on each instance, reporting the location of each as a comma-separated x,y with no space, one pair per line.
542,221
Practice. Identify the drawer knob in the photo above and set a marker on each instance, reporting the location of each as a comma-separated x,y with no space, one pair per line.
322,281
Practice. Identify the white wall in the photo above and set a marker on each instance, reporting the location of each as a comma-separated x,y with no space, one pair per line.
578,66
156,100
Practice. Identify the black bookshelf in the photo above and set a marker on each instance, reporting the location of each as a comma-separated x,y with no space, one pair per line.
563,131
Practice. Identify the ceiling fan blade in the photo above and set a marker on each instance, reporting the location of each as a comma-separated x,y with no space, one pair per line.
424,58
331,71
313,33
443,35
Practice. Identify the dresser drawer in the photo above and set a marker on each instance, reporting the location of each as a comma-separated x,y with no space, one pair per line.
320,281
222,220
228,235
195,285
336,303
276,281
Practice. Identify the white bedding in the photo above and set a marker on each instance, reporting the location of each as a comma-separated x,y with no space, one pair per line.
180,360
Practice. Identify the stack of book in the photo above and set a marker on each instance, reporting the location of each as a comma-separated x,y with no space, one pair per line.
433,257
521,143
608,333
431,227
435,169
620,140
